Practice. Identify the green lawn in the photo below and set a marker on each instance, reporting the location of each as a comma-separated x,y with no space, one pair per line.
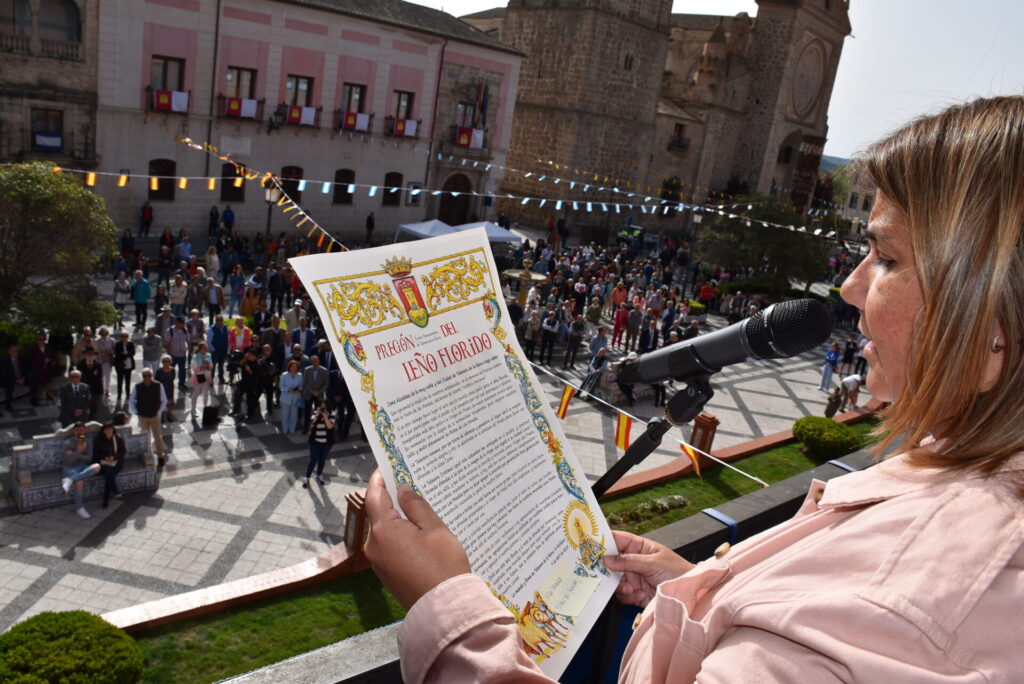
244,638
720,484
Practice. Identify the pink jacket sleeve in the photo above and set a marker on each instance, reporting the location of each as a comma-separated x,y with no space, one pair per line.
459,632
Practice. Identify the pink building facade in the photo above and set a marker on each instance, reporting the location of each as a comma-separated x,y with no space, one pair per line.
359,110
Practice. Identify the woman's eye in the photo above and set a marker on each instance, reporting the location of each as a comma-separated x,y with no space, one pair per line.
884,263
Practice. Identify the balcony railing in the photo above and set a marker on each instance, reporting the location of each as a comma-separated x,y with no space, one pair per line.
295,115
13,43
403,128
240,108
59,49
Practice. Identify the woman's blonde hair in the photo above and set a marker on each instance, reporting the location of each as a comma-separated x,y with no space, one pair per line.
957,178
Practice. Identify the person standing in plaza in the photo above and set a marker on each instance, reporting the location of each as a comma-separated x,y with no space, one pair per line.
152,349
228,219
196,328
104,346
314,388
202,375
165,376
291,396
370,225
268,370
321,439
214,298
598,342
214,221
633,323
178,343
74,400
109,451
124,364
577,328
14,373
42,359
850,351
176,294
145,219
548,335
92,376
830,365
217,340
140,296
236,289
122,296
148,401
78,465
248,386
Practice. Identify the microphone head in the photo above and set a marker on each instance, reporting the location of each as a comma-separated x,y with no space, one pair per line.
788,328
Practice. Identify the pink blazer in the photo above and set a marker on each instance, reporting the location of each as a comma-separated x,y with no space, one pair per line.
885,575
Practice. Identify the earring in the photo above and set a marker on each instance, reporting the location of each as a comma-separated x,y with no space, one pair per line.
996,347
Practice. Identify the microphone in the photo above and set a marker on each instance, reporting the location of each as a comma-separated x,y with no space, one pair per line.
780,331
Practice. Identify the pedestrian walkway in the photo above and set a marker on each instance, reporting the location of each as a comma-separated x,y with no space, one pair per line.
230,501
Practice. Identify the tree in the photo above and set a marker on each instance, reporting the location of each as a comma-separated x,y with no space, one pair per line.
776,254
53,234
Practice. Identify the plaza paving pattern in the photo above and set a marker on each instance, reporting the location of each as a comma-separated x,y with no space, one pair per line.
230,503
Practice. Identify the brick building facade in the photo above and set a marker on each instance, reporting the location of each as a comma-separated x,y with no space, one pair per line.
672,103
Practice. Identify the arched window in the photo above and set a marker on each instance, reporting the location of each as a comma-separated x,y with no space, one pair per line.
392,197
15,18
290,177
59,20
342,179
228,191
165,171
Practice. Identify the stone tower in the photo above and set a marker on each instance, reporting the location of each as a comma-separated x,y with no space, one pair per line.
794,55
588,96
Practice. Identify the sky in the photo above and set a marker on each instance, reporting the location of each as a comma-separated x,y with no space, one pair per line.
905,58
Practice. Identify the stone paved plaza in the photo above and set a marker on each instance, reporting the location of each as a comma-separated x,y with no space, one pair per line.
230,502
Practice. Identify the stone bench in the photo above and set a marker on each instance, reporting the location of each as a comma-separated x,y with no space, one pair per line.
37,468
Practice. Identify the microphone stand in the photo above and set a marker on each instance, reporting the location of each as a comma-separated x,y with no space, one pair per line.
681,409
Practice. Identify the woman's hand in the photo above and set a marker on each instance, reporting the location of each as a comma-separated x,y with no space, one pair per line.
644,565
412,556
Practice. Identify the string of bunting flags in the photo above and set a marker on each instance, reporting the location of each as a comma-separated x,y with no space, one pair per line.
624,423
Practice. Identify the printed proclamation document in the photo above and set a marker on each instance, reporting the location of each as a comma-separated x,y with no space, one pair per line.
452,408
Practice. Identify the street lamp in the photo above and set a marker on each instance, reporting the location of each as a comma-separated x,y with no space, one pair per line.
271,193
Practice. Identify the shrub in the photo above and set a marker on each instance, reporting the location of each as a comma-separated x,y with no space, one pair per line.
696,308
71,647
825,438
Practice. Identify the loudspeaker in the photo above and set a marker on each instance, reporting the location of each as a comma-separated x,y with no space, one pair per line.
211,416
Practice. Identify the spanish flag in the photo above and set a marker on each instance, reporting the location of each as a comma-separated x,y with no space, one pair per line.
563,405
622,427
692,453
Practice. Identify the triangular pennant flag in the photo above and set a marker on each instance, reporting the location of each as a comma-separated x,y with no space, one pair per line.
563,405
692,453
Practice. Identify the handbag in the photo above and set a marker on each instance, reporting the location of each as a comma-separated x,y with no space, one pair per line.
200,378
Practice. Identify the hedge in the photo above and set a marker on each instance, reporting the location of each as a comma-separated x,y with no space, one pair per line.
69,647
824,437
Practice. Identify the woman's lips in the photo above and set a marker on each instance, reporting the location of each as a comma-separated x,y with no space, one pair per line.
869,348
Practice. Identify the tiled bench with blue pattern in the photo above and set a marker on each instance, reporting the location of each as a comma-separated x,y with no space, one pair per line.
37,468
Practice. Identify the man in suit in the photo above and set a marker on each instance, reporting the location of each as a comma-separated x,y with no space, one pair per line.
74,400
305,336
648,338
315,380
92,375
327,358
13,373
261,319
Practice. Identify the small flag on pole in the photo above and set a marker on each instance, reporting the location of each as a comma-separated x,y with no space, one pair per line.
692,453
563,405
622,428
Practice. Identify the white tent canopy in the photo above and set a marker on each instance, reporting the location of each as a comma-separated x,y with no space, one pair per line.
425,229
495,233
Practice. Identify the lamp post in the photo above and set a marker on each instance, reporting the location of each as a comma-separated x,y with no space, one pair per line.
271,193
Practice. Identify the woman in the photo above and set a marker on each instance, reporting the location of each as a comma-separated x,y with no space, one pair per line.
619,324
167,239
850,350
907,571
127,242
176,295
108,450
291,396
104,345
202,376
214,221
236,288
212,262
251,302
122,295
124,364
830,366
321,439
159,300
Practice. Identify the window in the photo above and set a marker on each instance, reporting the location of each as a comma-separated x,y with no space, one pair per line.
854,198
298,91
47,130
678,141
785,155
165,170
167,73
15,17
867,203
240,83
353,98
465,112
628,63
392,197
228,191
58,20
403,104
342,179
290,177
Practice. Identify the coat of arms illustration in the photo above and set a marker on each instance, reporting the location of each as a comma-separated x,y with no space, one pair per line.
400,270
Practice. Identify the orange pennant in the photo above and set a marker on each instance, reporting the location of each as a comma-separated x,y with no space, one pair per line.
563,405
692,453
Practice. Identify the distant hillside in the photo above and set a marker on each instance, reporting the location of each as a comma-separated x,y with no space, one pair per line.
828,163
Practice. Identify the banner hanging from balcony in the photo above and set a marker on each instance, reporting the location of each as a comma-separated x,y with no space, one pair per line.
303,116
242,107
406,127
355,121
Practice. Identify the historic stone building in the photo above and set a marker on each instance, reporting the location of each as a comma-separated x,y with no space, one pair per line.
671,105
